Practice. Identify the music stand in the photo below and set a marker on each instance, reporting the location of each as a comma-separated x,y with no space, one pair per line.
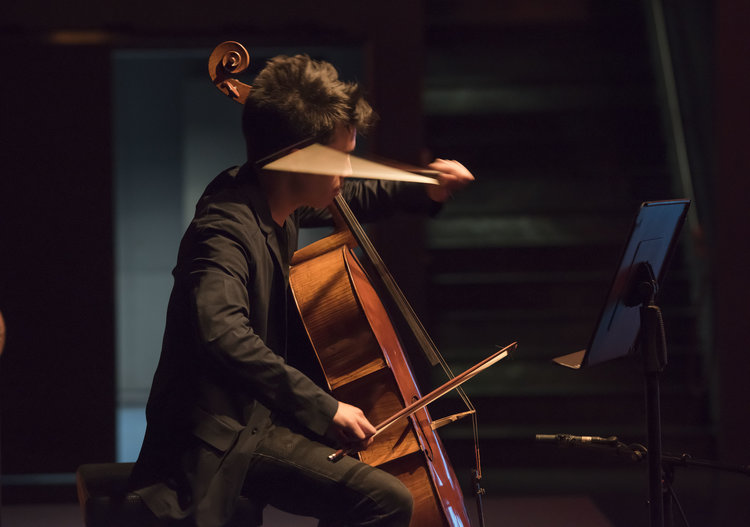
630,321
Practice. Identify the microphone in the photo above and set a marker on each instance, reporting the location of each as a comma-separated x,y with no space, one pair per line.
567,439
632,453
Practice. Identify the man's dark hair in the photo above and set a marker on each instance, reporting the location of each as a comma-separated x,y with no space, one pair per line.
297,98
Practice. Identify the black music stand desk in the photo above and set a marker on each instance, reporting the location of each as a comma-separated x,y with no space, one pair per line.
630,322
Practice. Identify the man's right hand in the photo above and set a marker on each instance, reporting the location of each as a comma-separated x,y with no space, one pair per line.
351,428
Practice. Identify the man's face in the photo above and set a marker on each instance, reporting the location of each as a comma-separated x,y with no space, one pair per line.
320,190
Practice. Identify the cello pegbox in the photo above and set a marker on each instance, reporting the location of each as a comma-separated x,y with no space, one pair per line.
227,60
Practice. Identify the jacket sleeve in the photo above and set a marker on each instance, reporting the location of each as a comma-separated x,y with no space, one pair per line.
231,291
372,200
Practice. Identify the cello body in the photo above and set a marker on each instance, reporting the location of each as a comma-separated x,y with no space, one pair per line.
363,362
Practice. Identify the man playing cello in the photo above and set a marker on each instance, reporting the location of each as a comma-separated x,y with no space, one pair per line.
227,413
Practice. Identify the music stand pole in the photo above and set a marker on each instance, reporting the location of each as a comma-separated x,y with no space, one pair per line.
654,351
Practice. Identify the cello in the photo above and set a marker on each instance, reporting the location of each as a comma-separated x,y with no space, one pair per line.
358,349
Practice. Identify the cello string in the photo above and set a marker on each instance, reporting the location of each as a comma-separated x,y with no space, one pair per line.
428,345
399,298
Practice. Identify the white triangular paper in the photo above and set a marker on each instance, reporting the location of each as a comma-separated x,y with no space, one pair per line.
327,161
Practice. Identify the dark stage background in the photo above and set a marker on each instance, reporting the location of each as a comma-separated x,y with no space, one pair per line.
561,111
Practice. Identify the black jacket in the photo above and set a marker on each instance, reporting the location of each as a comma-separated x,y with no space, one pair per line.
222,369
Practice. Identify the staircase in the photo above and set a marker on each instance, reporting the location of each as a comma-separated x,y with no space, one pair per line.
556,112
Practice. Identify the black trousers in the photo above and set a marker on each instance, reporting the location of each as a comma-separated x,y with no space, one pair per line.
292,473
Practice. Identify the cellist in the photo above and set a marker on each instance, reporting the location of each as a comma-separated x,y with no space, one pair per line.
227,413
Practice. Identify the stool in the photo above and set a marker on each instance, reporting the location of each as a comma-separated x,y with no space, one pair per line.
106,502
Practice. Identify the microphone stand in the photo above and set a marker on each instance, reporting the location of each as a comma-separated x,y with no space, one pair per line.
636,453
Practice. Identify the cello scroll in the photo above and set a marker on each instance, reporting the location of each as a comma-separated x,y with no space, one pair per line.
226,60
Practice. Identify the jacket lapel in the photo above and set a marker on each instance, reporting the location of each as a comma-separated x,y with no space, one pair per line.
259,206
